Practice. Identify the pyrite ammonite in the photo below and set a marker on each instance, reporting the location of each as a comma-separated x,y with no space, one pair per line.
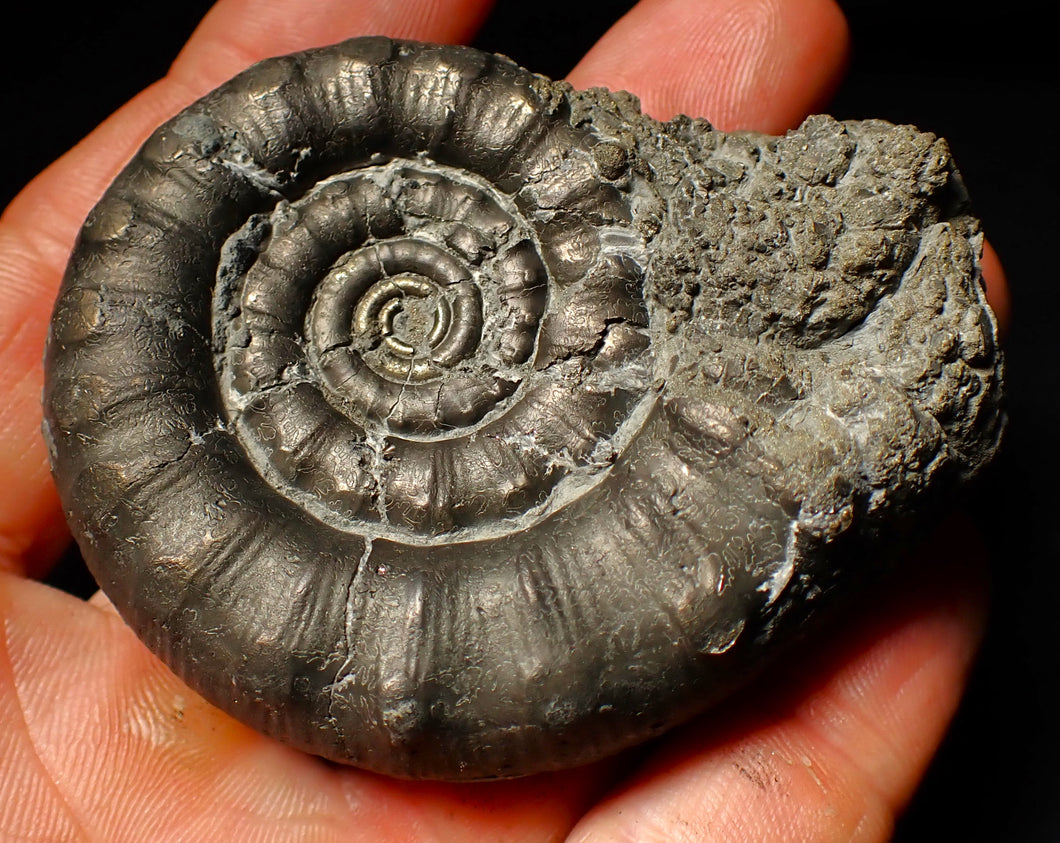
443,420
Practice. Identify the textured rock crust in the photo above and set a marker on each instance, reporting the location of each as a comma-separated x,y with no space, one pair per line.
441,419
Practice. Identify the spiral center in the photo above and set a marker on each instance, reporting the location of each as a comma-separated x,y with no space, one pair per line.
406,310
400,323
398,360
409,315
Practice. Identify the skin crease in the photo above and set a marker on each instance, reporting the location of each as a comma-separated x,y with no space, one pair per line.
98,741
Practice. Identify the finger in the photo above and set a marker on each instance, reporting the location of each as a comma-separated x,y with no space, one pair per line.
997,288
760,65
38,229
840,752
99,741
229,39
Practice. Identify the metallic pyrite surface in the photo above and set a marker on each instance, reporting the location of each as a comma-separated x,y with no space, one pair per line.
440,419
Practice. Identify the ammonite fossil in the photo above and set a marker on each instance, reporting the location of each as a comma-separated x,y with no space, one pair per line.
443,420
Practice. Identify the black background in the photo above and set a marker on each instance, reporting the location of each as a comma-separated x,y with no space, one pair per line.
985,80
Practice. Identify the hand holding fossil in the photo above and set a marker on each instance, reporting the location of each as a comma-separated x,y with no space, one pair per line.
172,706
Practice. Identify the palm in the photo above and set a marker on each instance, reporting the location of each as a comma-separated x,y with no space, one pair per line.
98,740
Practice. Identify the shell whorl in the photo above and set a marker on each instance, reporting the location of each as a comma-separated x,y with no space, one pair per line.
381,408
394,355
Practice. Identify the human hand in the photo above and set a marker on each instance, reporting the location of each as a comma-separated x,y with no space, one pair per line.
99,740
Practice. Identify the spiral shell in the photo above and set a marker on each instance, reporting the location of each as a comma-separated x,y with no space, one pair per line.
442,420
